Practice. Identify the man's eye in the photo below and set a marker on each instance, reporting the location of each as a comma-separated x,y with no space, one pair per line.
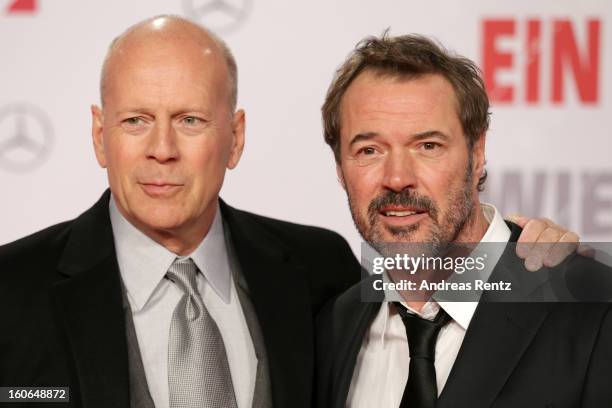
135,121
368,151
192,120
431,149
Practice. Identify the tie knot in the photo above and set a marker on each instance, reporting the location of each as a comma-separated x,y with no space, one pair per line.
183,273
422,333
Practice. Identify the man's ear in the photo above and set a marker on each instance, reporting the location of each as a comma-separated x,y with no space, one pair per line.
97,133
478,152
238,131
340,175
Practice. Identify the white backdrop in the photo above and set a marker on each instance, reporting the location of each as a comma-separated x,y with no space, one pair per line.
545,157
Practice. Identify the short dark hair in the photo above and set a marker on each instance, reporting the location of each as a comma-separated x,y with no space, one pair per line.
410,56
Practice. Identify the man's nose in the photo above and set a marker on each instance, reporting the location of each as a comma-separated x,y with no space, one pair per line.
399,171
162,145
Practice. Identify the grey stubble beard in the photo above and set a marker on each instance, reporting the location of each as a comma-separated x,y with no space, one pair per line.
442,232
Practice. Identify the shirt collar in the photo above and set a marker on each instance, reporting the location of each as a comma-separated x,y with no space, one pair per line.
498,231
462,312
143,263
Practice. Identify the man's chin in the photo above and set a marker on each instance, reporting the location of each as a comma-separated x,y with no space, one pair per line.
415,239
405,235
162,218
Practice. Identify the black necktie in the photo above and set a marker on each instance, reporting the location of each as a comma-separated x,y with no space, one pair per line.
421,390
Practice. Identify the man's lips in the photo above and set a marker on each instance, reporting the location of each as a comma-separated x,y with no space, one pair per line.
399,216
400,211
159,188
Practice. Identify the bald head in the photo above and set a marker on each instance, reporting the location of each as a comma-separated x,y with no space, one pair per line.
174,34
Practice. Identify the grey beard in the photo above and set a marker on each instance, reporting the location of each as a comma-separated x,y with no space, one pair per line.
442,232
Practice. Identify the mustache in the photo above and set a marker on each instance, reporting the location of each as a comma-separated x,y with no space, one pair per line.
405,198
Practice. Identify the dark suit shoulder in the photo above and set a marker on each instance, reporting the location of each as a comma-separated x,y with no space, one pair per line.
306,236
325,258
587,279
31,256
350,302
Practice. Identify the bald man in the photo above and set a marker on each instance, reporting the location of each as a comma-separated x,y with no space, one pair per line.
161,295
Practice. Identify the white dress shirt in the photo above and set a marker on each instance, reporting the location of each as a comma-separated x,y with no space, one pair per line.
381,370
143,264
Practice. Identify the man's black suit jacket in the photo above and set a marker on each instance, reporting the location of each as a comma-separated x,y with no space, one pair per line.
513,354
63,321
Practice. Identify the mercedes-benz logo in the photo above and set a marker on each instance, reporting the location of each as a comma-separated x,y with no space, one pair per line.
26,137
221,16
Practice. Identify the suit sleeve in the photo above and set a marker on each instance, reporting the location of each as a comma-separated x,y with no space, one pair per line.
598,386
323,359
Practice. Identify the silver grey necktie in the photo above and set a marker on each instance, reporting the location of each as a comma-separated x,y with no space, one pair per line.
198,371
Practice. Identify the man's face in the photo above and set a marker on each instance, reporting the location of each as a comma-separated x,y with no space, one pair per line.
404,160
166,133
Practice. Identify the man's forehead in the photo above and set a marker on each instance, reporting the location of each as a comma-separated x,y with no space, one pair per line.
371,80
151,55
374,94
164,43
163,65
154,47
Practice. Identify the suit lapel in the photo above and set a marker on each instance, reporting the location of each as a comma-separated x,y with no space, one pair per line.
281,299
89,305
352,317
497,337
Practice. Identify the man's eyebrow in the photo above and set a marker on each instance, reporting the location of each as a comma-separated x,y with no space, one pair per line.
131,110
147,111
359,137
430,133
